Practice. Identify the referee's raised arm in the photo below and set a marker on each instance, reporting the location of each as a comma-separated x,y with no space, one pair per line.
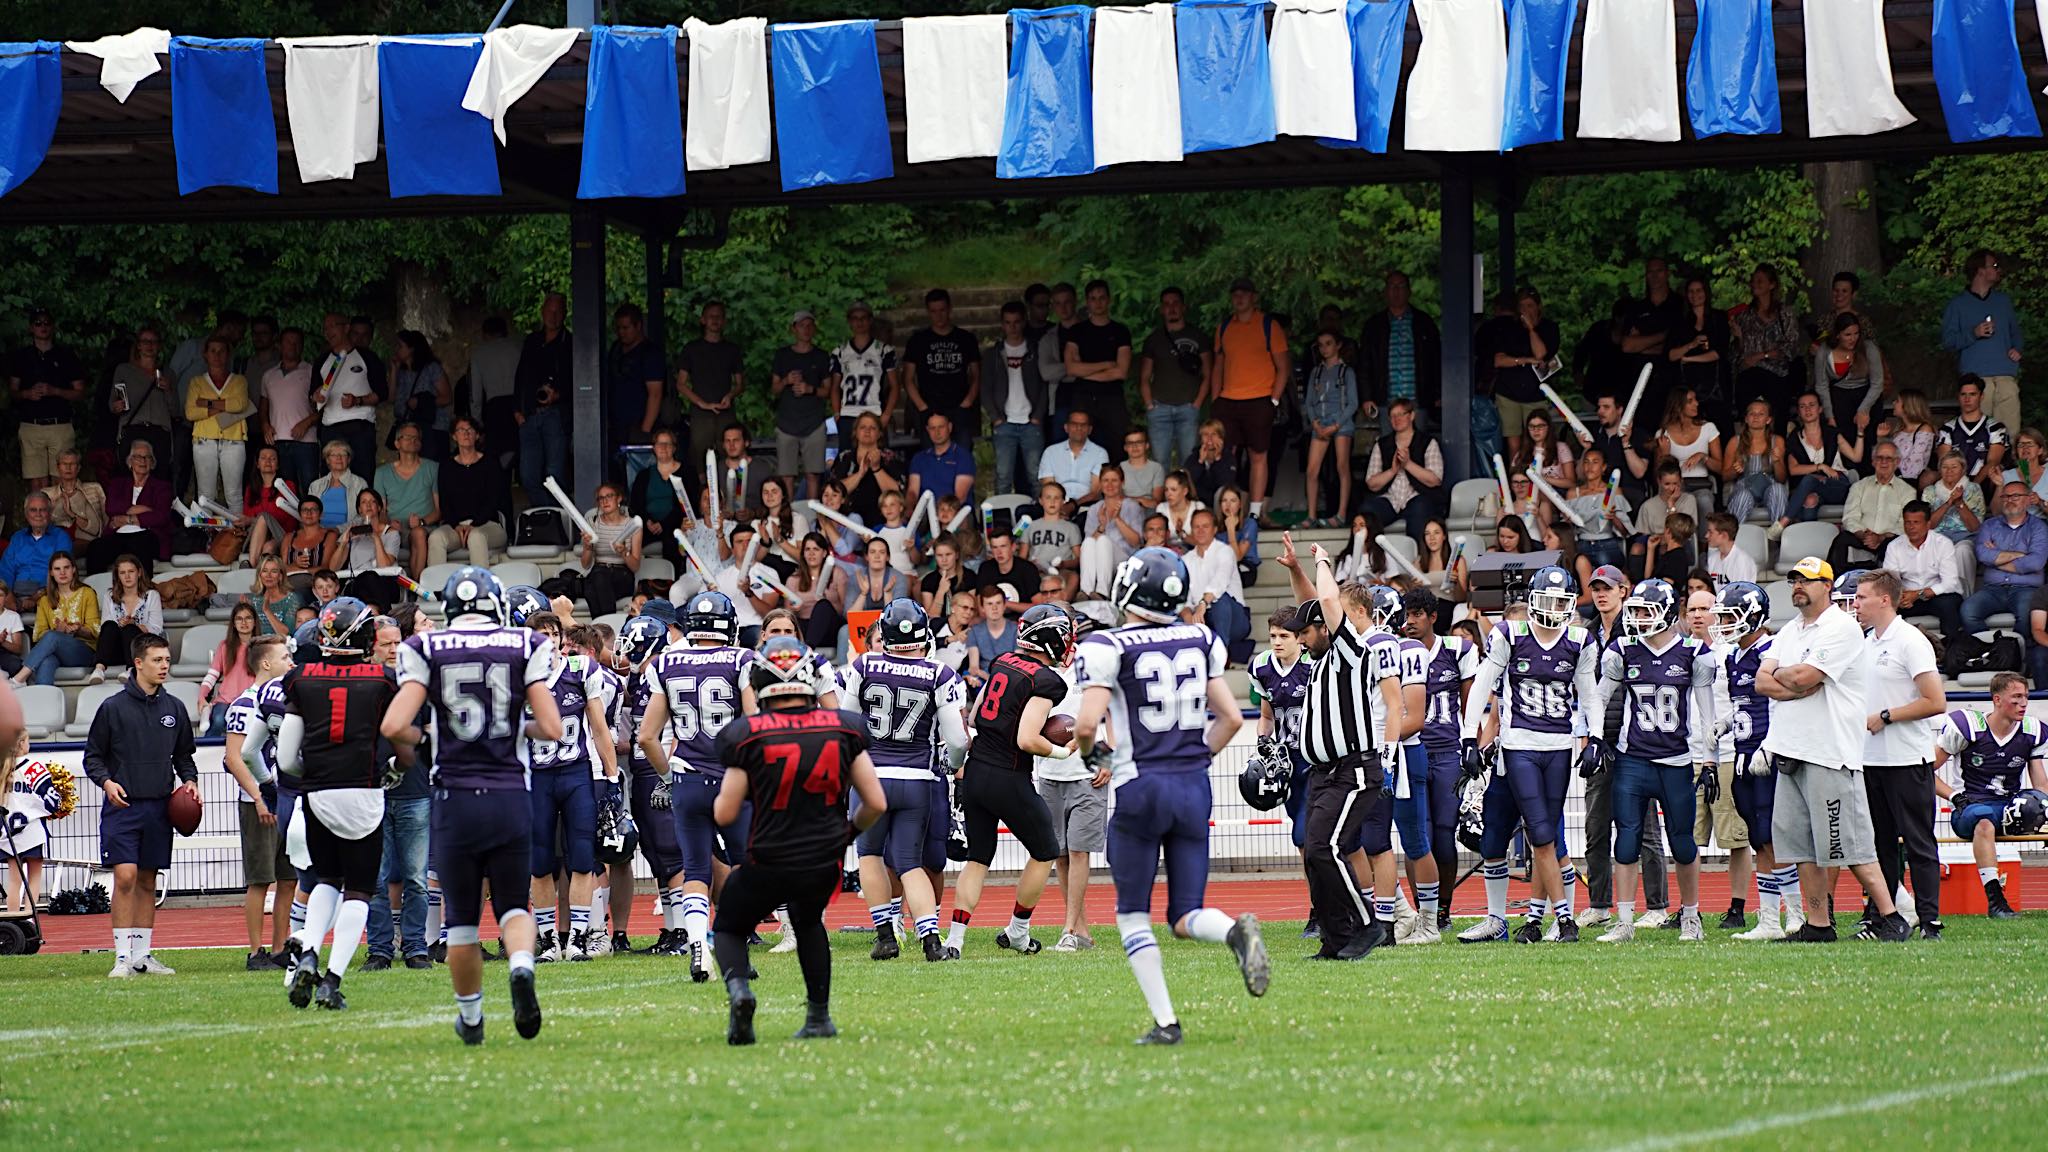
1304,584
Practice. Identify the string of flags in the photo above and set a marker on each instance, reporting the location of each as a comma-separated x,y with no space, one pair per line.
1061,91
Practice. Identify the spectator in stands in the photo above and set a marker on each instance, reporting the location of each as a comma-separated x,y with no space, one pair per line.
474,500
411,485
1625,447
1671,497
275,601
1563,539
1670,551
1848,374
1871,519
1179,508
1647,324
1819,459
945,468
1013,398
339,487
546,370
878,581
1535,511
1726,562
1444,564
129,607
1331,409
1911,427
653,497
1173,373
1144,477
1112,530
995,633
1241,533
13,634
949,575
1007,572
79,507
1047,312
611,552
346,398
1210,468
1958,504
1401,354
1601,513
820,585
900,533
1052,542
29,550
1511,534
422,394
144,402
362,333
1539,441
1981,328
845,542
369,552
1097,353
950,634
228,674
2031,453
1404,475
67,623
870,379
267,513
138,515
2011,552
325,587
1517,349
288,420
635,379
1364,558
782,527
866,472
1753,466
45,380
1157,534
942,368
1215,590
1684,437
218,407
305,550
1248,376
1075,464
1982,440
710,376
1700,344
804,376
1925,563
1767,343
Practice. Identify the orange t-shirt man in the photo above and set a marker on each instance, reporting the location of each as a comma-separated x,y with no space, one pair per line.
1247,347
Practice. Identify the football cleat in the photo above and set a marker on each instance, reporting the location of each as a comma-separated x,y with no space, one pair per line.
600,944
579,945
418,962
303,980
1930,929
1374,936
1810,934
1489,930
1654,918
1313,930
886,947
289,958
1619,934
739,1019
622,944
1766,929
259,961
817,1024
1531,932
1892,929
699,971
1167,1034
1734,921
1248,944
525,1004
935,949
437,952
1996,906
1567,930
1426,932
472,1034
328,993
149,965
784,945
952,953
548,950
1026,946
1689,926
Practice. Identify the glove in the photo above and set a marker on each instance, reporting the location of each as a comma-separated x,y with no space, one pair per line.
1592,760
657,799
392,776
1472,763
1101,756
1390,761
1272,748
1709,785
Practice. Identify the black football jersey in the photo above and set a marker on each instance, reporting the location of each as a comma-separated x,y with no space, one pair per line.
342,706
799,767
1012,681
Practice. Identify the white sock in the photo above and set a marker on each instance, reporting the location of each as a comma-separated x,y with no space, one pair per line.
1685,908
1020,926
348,932
956,933
696,917
1987,875
139,950
1538,909
1143,952
1767,898
299,911
1209,925
436,930
1789,891
601,910
520,962
671,910
1625,911
1570,877
782,917
1428,897
544,921
470,1008
321,907
1257,505
1496,872
123,950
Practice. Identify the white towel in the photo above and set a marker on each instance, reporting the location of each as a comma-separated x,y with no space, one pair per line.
1628,83
1457,92
331,103
955,82
1849,71
127,60
727,123
1311,53
513,61
1137,86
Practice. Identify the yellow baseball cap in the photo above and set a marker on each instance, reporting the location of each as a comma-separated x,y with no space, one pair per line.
1813,568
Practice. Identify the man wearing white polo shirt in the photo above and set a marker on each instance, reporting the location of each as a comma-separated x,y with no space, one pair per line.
1816,679
1898,756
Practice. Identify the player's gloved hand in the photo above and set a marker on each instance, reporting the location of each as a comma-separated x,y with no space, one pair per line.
1101,756
658,799
1709,784
392,776
1390,762
1471,762
1592,760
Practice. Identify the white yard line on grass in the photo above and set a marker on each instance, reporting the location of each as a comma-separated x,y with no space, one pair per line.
1881,1102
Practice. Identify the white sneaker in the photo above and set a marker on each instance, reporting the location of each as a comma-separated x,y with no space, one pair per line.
1906,906
1689,927
149,965
121,970
1776,530
600,944
786,944
1794,922
1068,943
1425,932
1405,927
1594,917
1550,935
1619,934
572,952
550,949
1766,929
1489,929
1654,918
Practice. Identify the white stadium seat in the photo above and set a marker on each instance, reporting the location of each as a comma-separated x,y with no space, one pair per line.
515,572
88,705
1803,540
42,710
187,692
655,568
196,648
1782,610
435,577
239,582
1750,538
1465,495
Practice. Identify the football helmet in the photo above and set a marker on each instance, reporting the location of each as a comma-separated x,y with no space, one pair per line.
784,669
709,616
617,836
1651,608
1387,610
639,638
2025,814
1553,597
1740,609
1843,594
522,601
904,626
1047,628
1151,585
347,627
471,590
1265,778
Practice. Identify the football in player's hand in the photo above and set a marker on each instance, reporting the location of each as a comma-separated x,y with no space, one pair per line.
1059,728
184,811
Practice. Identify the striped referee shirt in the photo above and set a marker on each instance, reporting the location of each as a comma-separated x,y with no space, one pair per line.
1346,713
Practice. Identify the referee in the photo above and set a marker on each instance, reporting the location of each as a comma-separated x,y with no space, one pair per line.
1350,731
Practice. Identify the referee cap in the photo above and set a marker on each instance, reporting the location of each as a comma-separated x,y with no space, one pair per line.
1813,568
1307,614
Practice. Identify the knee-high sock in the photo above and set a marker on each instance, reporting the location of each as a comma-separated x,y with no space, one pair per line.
1766,897
814,956
348,932
1789,893
1143,952
321,907
1570,877
435,932
1208,925
731,950
696,916
1496,873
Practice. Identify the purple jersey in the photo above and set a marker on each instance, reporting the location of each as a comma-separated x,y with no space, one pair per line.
1992,769
1158,680
255,714
1453,662
572,685
702,686
1539,692
1749,716
476,675
1664,716
1284,690
902,698
633,706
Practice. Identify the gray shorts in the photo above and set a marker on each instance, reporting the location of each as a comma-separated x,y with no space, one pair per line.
799,454
1821,816
263,857
1080,813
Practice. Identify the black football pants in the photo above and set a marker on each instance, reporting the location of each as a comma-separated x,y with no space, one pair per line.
1337,803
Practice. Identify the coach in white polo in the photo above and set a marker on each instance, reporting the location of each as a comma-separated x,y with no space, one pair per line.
1898,756
1815,677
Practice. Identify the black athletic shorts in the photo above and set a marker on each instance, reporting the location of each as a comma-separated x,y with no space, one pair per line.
992,796
478,836
751,892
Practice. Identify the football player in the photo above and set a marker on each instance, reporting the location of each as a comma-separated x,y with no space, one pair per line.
995,779
695,692
786,772
1164,681
1416,924
783,622
1545,670
250,756
593,645
916,716
564,782
481,675
1996,748
333,709
1449,663
1665,750
1738,628
641,639
1280,678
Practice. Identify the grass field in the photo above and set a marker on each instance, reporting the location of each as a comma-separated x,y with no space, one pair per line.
1654,1045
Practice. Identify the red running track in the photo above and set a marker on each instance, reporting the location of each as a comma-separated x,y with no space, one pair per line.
1270,897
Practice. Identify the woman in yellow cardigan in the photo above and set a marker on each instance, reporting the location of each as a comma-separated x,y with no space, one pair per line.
67,621
217,405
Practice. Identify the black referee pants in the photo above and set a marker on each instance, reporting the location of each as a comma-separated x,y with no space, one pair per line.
1337,802
1902,816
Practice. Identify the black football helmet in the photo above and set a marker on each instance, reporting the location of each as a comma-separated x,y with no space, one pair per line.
617,836
347,627
1740,609
306,642
639,638
472,590
1265,778
903,625
2025,814
1046,628
1651,608
1151,585
1843,594
709,616
1553,597
785,668
1388,613
522,601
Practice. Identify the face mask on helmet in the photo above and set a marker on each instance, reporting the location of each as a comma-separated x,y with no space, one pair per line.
784,670
1728,624
1642,619
1553,607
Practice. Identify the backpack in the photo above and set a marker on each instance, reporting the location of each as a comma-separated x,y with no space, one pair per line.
1969,653
541,526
